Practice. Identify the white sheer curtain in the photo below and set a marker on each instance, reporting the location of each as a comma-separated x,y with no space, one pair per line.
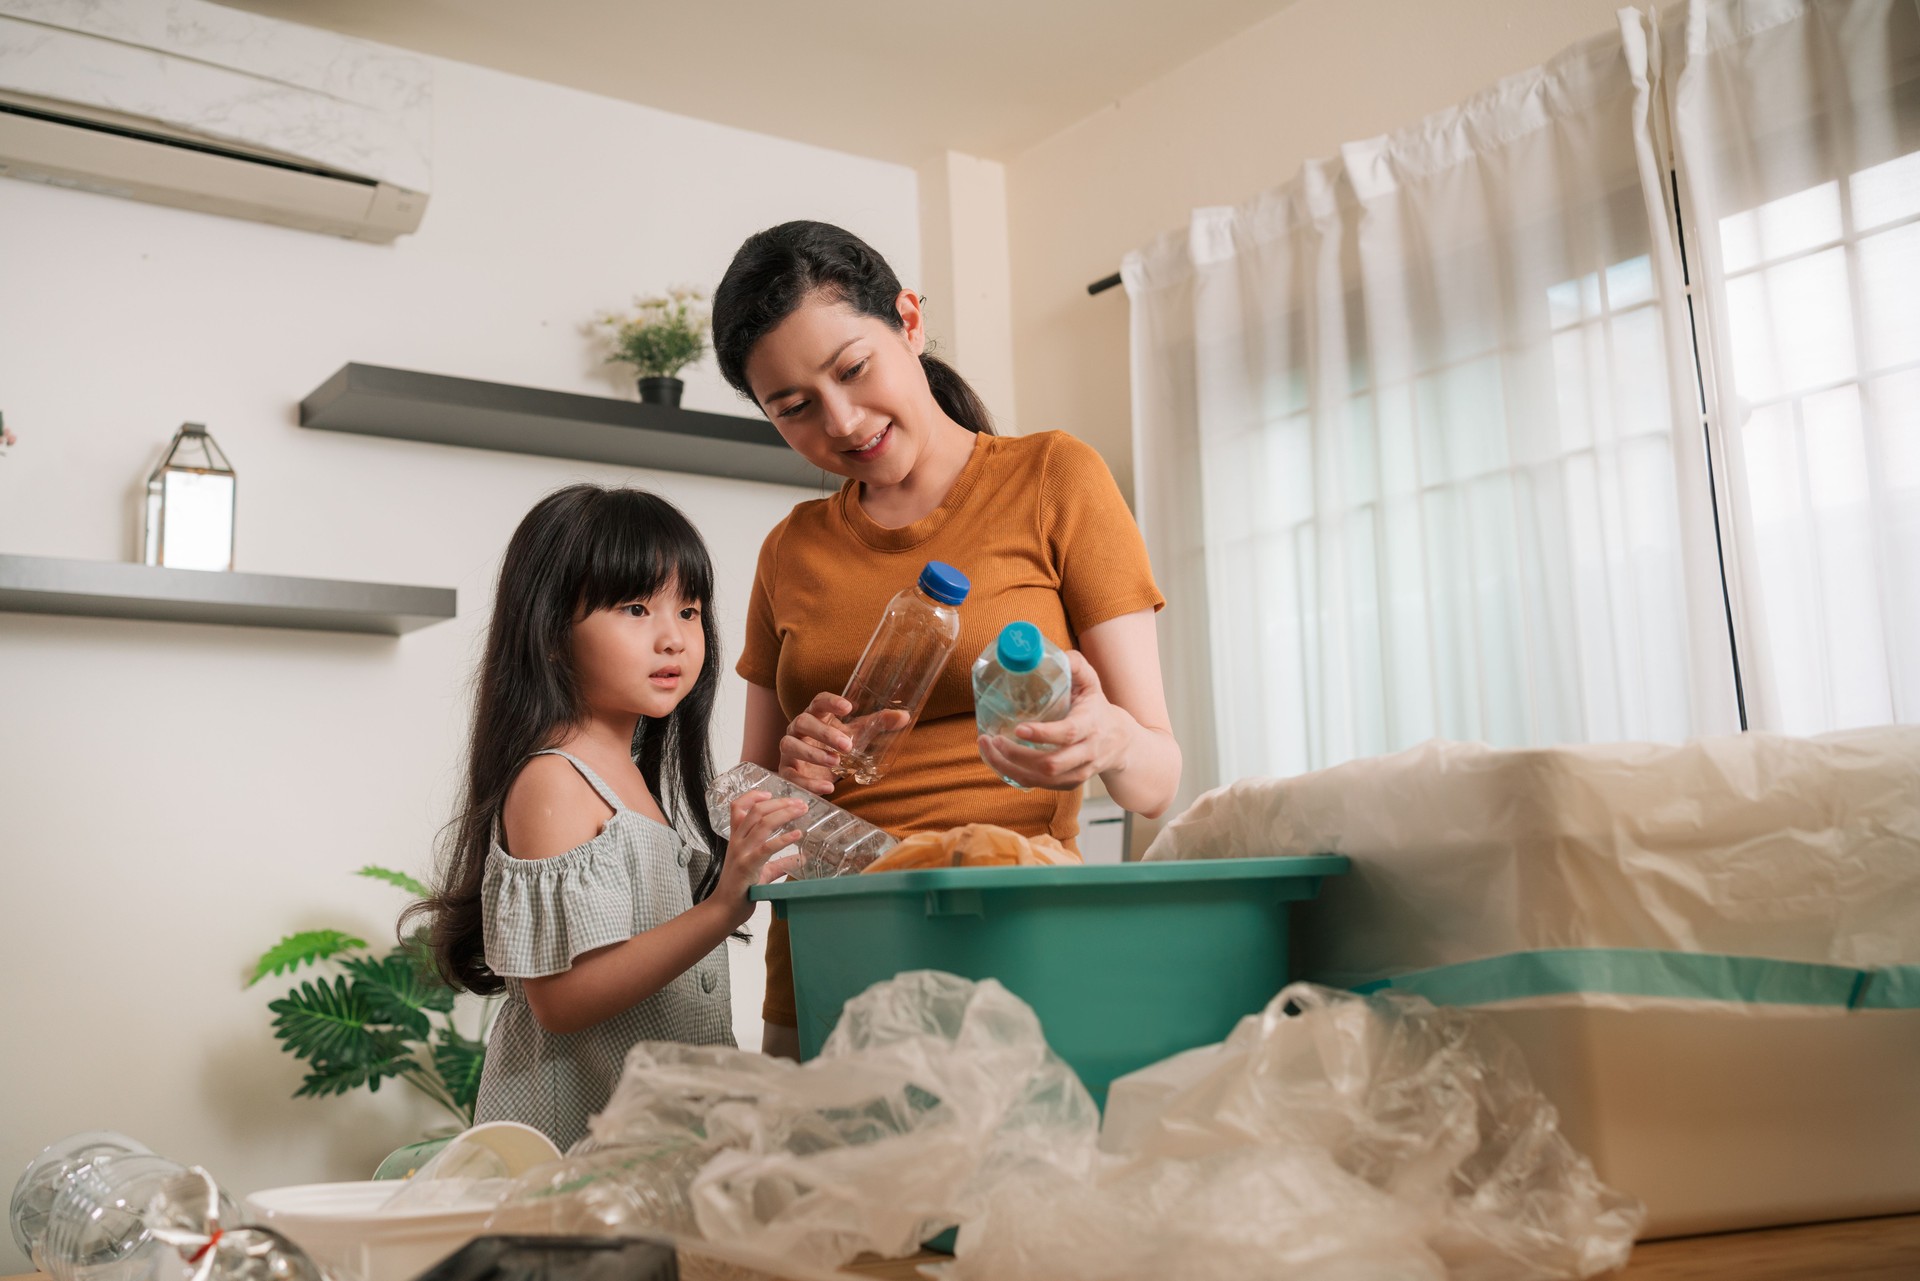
1411,444
1419,435
1796,131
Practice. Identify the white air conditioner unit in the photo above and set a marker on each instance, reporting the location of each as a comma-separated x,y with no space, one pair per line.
189,104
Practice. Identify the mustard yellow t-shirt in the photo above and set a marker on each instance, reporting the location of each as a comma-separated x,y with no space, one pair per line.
1038,526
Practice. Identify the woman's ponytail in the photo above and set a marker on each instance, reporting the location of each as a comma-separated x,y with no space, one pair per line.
960,401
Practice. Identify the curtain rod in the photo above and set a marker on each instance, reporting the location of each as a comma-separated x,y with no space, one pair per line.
1103,284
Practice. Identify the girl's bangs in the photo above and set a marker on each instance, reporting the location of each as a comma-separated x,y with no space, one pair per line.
640,545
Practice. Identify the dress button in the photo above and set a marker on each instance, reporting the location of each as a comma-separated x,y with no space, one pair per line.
707,981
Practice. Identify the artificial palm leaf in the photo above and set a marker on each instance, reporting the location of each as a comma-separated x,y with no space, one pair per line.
400,879
394,993
323,1022
309,947
370,1024
384,1055
459,1060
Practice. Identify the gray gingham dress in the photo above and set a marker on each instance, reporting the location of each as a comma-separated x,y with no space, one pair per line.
542,913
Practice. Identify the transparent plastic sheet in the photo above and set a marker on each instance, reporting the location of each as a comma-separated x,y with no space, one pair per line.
1357,1137
929,1090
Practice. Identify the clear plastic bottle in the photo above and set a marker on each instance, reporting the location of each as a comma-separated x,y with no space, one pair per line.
620,1190
47,1173
1021,679
97,1227
895,674
836,843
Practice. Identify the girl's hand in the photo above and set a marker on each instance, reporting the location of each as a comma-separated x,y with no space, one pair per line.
751,854
1090,739
813,744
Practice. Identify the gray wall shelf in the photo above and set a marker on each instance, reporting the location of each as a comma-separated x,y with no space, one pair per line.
113,589
371,400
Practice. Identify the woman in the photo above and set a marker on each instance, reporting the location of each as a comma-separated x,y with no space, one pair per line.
813,326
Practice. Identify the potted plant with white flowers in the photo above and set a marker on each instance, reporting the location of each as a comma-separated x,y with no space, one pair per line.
661,336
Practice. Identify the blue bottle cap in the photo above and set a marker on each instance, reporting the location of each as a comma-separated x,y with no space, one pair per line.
1020,647
944,583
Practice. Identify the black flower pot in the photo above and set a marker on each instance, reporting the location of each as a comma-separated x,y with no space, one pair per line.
660,391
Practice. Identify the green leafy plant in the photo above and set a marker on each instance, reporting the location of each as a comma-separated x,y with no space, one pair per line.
661,335
379,1018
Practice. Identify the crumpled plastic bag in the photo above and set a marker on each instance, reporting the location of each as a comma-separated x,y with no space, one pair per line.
1331,1137
1357,1137
928,1090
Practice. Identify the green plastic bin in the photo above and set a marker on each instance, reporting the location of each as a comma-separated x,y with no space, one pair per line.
1124,963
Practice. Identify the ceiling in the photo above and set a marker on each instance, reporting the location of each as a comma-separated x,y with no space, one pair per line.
898,80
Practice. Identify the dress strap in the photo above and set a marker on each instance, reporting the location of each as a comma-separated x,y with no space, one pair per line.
607,794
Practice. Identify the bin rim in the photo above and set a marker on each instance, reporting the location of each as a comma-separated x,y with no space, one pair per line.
1070,876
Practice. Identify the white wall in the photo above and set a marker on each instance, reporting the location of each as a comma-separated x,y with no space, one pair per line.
175,798
1236,120
966,275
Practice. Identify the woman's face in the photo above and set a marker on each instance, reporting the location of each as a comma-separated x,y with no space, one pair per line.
640,658
847,390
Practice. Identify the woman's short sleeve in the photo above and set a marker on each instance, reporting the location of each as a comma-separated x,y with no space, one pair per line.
1092,538
541,914
760,652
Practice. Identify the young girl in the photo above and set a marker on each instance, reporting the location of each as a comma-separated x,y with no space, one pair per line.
564,884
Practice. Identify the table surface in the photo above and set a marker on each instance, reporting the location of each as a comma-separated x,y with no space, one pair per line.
1857,1250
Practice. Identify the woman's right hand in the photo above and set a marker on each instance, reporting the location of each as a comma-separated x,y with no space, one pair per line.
813,743
753,853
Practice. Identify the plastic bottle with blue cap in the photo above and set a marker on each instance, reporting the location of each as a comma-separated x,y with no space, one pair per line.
1021,679
890,684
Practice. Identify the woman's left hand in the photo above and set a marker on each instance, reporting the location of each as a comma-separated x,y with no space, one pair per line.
1090,739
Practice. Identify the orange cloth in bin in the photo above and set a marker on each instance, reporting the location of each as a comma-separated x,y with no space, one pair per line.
973,845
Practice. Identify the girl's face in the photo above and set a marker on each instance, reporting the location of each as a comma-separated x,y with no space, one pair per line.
847,391
640,658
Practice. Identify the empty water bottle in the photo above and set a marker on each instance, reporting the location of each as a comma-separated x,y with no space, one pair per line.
96,1227
621,1190
1021,679
895,674
47,1173
836,843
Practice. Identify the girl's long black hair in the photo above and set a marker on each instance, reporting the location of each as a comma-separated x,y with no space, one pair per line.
778,269
580,549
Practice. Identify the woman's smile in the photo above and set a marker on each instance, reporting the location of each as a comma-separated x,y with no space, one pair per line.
872,447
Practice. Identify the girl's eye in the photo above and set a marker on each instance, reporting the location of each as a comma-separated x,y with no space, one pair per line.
690,613
793,409
635,610
853,371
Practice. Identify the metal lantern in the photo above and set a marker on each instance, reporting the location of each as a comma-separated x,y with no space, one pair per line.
190,503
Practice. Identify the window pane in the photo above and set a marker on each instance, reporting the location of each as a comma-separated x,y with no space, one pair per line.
1890,296
1886,193
1781,227
1792,326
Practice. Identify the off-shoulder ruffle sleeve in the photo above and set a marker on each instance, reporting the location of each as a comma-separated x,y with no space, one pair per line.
540,914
